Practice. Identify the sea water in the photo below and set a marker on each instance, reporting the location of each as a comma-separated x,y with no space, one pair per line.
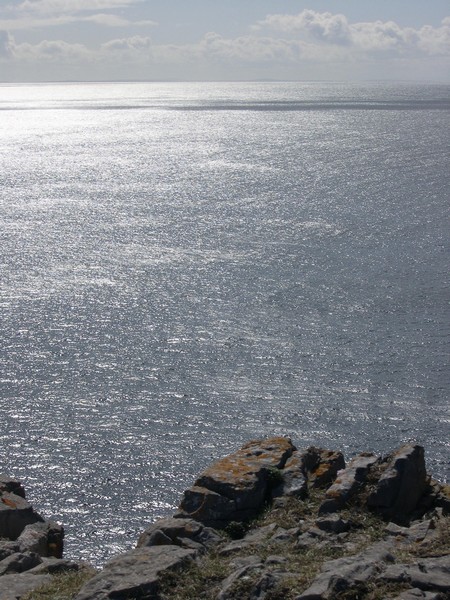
185,267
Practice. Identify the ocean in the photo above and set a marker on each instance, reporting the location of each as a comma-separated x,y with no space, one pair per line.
187,266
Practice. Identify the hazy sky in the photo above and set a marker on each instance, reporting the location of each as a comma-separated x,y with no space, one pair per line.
42,40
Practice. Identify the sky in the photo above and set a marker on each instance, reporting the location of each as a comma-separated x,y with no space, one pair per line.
231,40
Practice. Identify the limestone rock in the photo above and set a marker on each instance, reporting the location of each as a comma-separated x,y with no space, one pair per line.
236,487
321,466
15,586
180,532
19,562
348,482
402,484
343,573
15,514
13,486
45,538
293,482
427,574
135,574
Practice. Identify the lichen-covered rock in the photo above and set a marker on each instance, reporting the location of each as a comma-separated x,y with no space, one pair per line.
135,574
321,466
236,487
427,574
401,485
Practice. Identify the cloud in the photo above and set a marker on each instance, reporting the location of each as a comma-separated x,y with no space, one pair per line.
368,37
56,51
325,27
6,45
71,6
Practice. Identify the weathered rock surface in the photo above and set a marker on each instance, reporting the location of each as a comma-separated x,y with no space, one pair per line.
236,487
15,514
402,484
348,482
321,466
185,533
320,510
135,574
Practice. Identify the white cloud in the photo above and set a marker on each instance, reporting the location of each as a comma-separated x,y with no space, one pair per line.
376,36
71,6
6,45
325,27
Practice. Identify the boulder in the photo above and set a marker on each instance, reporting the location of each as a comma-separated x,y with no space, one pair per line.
15,514
401,485
135,574
236,487
320,466
185,533
293,481
13,486
45,538
348,482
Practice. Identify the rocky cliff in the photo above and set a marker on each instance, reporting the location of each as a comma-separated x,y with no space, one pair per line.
268,522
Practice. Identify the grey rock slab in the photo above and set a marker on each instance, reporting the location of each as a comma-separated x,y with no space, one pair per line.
417,531
135,574
401,485
15,514
333,524
294,482
254,537
186,533
341,573
14,587
348,482
426,574
59,565
19,562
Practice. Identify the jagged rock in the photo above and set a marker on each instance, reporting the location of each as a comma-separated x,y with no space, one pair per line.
185,533
13,486
15,514
348,482
45,538
321,466
417,531
293,482
343,573
236,487
135,574
19,562
333,524
14,587
427,574
402,484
